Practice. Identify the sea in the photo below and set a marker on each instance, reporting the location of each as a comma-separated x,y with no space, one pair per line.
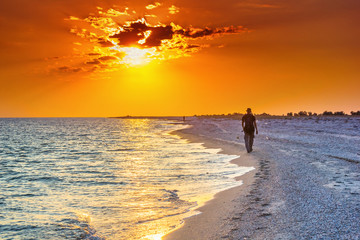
103,178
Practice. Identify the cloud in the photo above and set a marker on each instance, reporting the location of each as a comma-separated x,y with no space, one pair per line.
105,43
125,41
141,34
94,62
173,9
140,30
198,32
72,18
106,58
152,6
67,69
150,15
115,13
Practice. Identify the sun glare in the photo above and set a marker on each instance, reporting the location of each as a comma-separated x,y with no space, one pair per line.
137,56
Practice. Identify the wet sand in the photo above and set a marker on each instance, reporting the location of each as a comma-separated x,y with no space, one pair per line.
216,216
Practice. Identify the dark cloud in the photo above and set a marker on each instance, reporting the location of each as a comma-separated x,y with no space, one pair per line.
158,34
197,33
136,31
95,61
106,58
193,46
51,58
69,69
105,43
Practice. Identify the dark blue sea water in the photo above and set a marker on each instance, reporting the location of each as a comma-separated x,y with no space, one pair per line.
99,178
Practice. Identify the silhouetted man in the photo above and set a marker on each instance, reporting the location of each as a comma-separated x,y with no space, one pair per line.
249,126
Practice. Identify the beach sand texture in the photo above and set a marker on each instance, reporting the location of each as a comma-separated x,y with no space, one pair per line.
296,191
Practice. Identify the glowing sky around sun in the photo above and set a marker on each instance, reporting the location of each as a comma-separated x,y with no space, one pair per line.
120,39
112,58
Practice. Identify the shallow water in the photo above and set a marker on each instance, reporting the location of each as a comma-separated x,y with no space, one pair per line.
102,178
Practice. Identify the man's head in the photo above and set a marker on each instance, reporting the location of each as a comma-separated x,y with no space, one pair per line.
248,110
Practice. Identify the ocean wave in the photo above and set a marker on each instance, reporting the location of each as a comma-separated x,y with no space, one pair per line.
170,195
32,178
97,182
26,195
45,178
77,228
16,227
121,150
162,217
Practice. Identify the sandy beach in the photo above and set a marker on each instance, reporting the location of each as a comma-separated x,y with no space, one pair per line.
215,220
288,195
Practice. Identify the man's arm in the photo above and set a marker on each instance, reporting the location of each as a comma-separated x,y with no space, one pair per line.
242,123
255,126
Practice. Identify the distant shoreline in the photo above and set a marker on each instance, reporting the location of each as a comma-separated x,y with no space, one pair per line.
220,116
237,117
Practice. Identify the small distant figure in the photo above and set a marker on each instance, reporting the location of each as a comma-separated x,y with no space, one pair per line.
184,118
249,126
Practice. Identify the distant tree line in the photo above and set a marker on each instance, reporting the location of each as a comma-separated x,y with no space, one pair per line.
355,113
301,113
325,113
290,114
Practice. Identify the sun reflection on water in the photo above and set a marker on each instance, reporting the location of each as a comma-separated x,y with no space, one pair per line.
153,237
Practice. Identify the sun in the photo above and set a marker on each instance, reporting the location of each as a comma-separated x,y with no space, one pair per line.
133,56
137,56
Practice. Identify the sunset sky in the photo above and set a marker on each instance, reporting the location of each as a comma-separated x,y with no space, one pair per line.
87,58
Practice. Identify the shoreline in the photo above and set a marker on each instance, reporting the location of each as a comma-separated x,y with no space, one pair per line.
298,190
216,216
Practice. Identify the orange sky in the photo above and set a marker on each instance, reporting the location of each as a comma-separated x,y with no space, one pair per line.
87,58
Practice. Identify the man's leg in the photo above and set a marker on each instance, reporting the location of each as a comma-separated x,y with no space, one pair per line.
247,138
251,141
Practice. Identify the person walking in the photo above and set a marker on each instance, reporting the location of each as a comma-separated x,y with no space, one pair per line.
249,126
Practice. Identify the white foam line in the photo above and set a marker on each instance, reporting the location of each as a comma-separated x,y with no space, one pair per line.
219,139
